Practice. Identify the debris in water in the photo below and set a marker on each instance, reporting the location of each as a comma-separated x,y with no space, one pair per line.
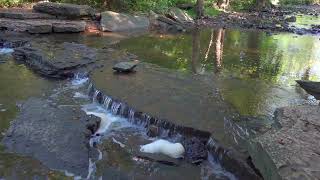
174,150
80,95
118,142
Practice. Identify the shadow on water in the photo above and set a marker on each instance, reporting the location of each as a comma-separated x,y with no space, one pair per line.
256,71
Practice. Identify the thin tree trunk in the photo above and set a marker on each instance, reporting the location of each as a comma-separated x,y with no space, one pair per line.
200,8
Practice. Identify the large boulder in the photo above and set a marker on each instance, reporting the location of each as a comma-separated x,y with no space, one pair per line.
69,11
291,149
112,21
56,136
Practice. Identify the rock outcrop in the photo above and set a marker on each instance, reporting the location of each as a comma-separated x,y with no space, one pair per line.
62,63
114,22
23,14
291,149
69,11
39,26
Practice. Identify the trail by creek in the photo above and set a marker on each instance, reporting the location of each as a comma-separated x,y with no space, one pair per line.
250,73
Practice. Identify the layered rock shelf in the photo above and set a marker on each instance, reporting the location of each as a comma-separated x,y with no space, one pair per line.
291,149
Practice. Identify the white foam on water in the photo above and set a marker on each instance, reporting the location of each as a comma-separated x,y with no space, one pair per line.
79,80
6,50
106,117
80,95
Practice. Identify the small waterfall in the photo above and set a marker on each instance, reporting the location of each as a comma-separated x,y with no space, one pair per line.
95,95
115,108
166,128
131,115
107,102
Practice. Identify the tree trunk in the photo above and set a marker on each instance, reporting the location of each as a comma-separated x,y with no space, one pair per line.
200,9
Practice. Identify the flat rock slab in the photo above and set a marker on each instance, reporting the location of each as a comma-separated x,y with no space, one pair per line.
114,22
56,136
19,13
293,151
60,61
42,26
70,11
125,66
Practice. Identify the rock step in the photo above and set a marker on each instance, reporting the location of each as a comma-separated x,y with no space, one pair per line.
19,13
291,149
69,11
40,26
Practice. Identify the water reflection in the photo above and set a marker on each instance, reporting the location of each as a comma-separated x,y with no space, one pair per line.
256,71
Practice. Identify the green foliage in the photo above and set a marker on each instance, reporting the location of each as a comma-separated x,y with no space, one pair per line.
240,5
9,3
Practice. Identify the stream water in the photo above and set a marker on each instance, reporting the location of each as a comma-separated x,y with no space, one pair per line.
255,74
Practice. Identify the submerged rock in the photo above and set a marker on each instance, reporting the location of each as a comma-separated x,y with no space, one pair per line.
311,87
114,22
56,136
70,11
125,66
291,149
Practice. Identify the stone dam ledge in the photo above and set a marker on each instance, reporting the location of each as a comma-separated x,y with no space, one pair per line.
291,150
185,100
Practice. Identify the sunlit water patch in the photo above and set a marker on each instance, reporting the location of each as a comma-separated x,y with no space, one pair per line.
306,21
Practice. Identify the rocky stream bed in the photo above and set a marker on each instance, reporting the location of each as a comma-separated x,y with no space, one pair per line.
59,90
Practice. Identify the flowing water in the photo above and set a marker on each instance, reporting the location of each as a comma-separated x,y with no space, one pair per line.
255,74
